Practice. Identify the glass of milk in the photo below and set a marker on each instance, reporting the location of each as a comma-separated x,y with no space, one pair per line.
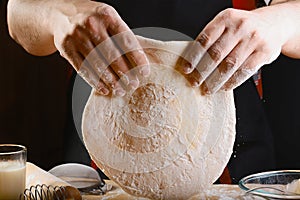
12,171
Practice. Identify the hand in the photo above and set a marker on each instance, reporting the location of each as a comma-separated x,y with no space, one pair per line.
231,48
101,47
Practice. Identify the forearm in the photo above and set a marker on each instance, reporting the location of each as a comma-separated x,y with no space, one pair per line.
32,23
287,13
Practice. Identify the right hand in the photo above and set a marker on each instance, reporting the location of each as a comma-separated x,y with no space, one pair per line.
108,69
233,47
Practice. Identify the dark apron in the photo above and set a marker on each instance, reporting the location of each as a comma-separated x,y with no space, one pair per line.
253,149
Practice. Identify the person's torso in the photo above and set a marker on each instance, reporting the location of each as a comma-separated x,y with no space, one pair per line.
186,16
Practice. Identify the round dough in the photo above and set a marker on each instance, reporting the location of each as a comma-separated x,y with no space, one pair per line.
163,140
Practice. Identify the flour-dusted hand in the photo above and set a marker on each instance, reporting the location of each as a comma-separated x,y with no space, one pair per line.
90,35
233,46
101,47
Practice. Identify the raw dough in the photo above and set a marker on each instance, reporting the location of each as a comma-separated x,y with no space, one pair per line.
163,140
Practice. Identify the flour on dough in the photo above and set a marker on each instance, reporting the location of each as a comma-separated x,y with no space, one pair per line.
164,140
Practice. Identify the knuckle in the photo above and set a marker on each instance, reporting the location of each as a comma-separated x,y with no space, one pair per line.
203,39
80,38
227,13
231,61
137,58
228,64
108,78
107,12
90,20
258,40
229,84
116,24
254,35
241,24
215,53
130,56
235,20
119,65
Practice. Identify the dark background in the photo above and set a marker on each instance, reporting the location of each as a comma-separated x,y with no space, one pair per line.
32,99
33,103
281,81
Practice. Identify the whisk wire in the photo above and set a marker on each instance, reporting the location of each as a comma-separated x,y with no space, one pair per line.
44,192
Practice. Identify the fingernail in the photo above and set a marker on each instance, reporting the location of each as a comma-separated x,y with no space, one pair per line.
104,91
224,87
227,86
145,71
203,39
195,83
101,90
119,92
134,84
204,89
187,68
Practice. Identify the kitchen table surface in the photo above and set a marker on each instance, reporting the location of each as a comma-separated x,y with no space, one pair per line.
36,175
218,191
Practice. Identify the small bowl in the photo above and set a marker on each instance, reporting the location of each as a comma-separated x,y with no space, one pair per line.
271,184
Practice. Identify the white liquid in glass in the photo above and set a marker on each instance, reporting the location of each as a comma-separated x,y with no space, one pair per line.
12,180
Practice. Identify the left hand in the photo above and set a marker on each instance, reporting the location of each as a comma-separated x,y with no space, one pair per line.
231,48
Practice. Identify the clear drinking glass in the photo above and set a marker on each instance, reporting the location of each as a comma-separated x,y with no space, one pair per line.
12,171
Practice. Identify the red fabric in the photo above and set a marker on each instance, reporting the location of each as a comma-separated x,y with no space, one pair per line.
244,4
258,83
225,177
93,165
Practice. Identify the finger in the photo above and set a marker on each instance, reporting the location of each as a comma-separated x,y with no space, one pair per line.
98,73
111,79
193,78
81,65
111,53
215,55
204,40
130,46
104,55
115,61
82,41
105,75
191,56
229,65
102,88
251,65
91,77
127,78
70,53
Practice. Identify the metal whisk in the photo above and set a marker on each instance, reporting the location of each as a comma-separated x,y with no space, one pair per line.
44,192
